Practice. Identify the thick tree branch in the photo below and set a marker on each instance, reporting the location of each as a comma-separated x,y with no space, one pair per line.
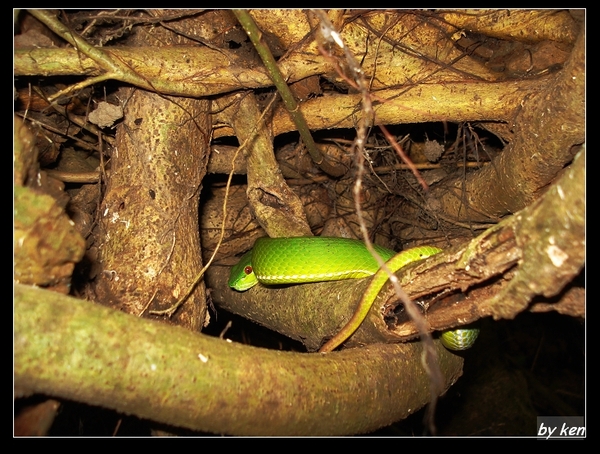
86,352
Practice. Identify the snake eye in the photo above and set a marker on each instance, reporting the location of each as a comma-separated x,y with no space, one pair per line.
248,270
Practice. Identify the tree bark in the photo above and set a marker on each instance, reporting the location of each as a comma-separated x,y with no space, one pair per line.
548,132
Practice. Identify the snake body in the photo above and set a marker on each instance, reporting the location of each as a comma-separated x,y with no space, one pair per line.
314,259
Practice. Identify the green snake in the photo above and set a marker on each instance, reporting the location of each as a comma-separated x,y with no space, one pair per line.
297,260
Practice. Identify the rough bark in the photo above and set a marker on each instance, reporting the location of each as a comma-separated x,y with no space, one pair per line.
150,246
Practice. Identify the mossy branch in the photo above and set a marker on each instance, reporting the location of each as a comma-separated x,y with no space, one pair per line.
115,68
78,350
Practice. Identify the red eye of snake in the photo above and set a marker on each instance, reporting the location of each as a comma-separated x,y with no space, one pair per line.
248,270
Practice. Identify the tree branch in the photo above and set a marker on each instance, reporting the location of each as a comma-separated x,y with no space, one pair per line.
78,350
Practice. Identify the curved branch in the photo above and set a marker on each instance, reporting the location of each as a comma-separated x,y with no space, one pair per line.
548,129
86,352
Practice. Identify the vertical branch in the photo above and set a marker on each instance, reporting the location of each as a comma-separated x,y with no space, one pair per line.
289,101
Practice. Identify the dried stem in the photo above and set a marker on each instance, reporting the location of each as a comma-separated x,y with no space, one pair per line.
331,37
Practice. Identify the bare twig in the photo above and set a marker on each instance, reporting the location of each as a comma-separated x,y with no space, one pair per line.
330,36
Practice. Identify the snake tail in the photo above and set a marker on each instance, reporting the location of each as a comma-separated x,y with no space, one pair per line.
396,263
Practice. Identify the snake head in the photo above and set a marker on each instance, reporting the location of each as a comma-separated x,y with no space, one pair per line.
242,277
